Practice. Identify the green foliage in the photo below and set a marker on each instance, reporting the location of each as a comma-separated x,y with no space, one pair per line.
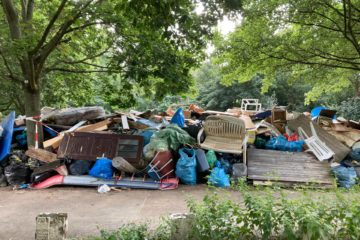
213,95
113,50
307,40
163,105
135,232
349,109
274,215
263,214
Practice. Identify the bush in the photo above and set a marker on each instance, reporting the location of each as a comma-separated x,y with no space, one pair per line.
349,109
265,214
273,215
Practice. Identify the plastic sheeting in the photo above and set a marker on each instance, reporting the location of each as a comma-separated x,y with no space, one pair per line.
5,140
171,137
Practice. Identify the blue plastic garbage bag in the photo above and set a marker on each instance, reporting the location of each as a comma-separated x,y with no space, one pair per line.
178,118
102,169
218,177
147,135
226,165
186,166
355,155
282,144
22,139
346,177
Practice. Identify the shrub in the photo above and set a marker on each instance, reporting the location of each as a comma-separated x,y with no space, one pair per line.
268,214
349,109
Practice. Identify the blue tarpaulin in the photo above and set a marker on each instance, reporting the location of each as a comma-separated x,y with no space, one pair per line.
5,140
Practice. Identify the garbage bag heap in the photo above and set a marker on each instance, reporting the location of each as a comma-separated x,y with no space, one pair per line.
185,144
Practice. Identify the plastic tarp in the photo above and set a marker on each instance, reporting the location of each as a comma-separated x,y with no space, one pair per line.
5,140
172,137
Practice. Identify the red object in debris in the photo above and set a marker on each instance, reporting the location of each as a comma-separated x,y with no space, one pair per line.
169,183
165,163
54,180
292,138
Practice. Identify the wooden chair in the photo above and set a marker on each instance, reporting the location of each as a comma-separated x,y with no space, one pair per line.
224,134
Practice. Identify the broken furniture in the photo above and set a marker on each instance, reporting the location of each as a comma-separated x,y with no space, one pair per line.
325,117
340,150
278,115
316,146
91,145
161,166
287,168
250,105
224,134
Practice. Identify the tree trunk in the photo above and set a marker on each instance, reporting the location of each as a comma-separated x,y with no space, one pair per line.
32,109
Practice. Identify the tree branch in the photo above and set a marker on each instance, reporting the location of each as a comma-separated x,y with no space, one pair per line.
87,58
78,71
30,10
48,48
12,19
11,75
48,27
23,10
85,26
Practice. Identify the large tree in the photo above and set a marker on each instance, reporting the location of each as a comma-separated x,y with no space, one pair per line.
314,40
141,46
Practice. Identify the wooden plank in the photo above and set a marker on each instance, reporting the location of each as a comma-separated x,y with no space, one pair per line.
344,138
340,150
41,154
100,126
48,167
297,167
124,122
55,142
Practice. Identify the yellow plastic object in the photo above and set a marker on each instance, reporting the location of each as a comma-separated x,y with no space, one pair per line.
251,133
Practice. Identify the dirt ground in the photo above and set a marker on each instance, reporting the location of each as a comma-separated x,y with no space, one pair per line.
88,211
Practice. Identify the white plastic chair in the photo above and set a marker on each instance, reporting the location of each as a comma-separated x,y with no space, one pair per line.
316,146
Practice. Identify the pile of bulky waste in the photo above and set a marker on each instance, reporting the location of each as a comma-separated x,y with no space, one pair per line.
185,144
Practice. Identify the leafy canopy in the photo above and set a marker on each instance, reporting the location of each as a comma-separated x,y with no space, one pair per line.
74,50
313,40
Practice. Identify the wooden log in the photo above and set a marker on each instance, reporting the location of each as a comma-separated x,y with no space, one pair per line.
41,154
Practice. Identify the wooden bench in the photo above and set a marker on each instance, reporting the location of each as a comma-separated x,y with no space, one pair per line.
224,134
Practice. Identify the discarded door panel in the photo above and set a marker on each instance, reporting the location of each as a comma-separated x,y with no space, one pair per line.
91,145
